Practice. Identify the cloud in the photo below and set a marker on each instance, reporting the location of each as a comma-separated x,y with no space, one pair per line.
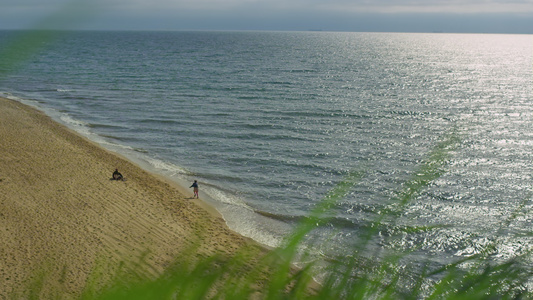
337,15
371,6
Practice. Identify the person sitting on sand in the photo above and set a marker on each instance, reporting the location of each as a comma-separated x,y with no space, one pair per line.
117,175
195,186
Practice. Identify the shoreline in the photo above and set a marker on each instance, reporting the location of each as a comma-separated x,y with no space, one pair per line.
59,209
242,219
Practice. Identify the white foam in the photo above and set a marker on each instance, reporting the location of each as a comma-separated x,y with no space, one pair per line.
77,125
226,198
247,223
168,168
31,103
242,218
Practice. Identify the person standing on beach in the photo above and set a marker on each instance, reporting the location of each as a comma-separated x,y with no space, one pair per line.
195,186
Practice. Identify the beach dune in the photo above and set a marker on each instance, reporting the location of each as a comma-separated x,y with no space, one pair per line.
61,214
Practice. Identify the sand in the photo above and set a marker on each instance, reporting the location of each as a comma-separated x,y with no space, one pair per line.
60,212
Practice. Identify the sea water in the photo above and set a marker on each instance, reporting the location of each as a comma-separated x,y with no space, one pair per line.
270,122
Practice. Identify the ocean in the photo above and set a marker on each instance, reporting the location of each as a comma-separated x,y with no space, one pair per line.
270,122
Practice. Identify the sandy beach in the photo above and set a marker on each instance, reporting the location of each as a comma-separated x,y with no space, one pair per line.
61,213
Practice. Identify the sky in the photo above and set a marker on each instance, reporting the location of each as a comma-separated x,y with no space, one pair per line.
457,16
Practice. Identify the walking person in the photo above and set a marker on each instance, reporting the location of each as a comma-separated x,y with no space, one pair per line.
195,186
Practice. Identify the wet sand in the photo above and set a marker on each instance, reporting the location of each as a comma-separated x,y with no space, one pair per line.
60,212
